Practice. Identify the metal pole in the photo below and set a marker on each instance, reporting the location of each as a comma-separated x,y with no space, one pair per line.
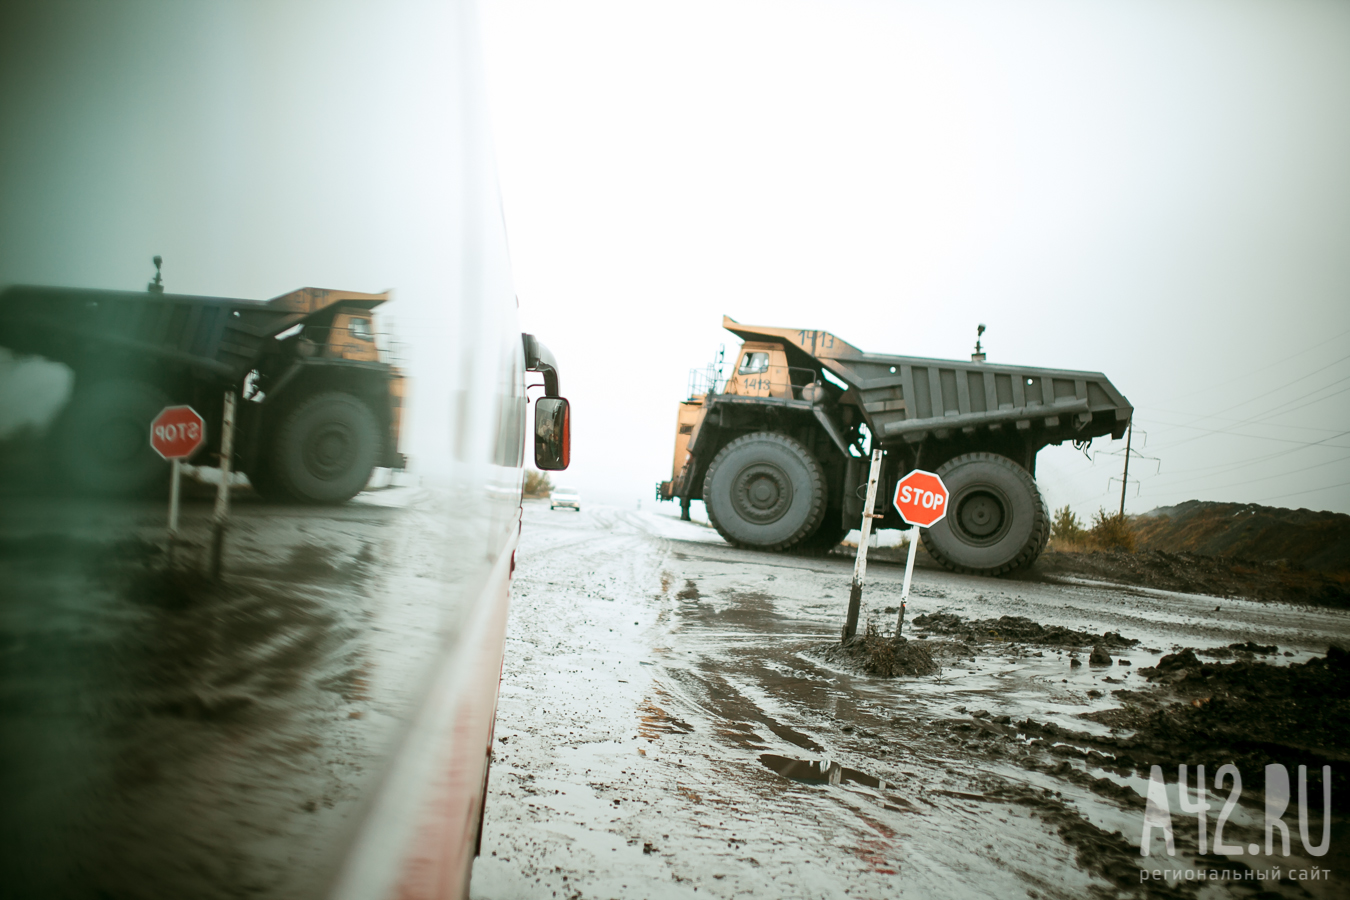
860,563
909,573
174,470
1125,480
173,498
223,489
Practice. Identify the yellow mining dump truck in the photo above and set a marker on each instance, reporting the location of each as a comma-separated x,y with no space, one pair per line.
776,452
321,410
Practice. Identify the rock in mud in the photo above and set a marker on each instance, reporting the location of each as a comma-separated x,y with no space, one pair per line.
1173,667
1099,656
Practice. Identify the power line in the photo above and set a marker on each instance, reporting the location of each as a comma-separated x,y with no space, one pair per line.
1300,493
1218,487
1303,352
1281,387
1172,483
1258,437
1154,414
1235,466
1310,402
1271,413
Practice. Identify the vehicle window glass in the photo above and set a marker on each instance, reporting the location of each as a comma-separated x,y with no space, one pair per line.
360,328
754,363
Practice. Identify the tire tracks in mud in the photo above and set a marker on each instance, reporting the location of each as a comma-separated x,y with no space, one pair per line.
713,753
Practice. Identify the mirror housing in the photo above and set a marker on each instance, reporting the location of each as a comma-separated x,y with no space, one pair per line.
552,433
539,359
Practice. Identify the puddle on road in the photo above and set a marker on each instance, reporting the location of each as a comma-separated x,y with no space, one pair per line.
828,773
823,772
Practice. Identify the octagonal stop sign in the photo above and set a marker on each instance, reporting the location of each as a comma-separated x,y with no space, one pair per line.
177,432
921,498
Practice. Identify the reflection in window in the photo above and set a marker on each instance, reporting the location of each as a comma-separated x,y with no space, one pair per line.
754,363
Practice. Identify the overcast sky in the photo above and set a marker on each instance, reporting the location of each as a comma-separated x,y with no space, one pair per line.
1155,190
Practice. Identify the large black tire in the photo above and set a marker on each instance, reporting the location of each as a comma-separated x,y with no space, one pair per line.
996,523
826,538
264,484
101,441
764,491
325,449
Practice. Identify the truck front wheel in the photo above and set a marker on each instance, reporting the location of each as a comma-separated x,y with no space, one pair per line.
765,491
326,448
996,520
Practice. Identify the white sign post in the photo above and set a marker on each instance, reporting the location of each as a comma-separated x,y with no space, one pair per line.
860,561
222,512
921,499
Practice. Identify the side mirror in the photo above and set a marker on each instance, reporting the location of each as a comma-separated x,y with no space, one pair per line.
552,433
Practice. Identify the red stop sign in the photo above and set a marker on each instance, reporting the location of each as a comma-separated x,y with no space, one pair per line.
177,432
921,498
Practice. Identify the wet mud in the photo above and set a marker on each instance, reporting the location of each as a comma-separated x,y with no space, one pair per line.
163,733
1249,712
1018,629
678,719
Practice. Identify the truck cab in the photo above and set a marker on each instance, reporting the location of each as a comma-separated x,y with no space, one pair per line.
761,371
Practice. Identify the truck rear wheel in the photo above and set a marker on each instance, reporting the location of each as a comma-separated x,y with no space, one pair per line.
996,522
326,448
101,442
765,491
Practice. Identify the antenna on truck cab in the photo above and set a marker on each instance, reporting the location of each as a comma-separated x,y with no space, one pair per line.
978,355
156,286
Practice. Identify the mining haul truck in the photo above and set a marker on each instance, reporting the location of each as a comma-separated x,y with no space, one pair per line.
320,408
778,453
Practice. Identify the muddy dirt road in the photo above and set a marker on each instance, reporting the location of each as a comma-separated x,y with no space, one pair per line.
668,727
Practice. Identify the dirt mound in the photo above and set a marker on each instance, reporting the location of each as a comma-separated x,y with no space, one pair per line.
1018,628
1195,573
1248,712
1300,538
876,654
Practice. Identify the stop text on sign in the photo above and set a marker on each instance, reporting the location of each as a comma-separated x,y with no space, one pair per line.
926,499
921,498
177,432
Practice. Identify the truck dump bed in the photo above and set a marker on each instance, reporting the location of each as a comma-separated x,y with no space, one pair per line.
911,398
218,336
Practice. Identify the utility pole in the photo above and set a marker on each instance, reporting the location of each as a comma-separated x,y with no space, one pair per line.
1125,479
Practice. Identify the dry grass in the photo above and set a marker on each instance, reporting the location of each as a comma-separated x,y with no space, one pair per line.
1112,531
537,484
1109,531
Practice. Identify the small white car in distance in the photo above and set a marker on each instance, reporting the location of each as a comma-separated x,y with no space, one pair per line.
565,497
